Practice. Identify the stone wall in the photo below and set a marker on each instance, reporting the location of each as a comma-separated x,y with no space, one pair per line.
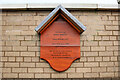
21,46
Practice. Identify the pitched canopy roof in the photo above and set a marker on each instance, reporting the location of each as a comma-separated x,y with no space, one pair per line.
68,16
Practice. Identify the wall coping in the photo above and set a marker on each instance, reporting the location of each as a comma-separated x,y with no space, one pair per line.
50,4
66,5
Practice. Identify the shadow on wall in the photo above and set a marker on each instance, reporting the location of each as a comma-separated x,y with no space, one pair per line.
38,35
118,1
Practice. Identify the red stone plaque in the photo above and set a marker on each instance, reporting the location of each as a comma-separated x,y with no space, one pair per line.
60,39
60,45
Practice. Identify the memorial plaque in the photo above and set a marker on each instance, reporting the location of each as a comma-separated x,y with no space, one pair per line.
60,39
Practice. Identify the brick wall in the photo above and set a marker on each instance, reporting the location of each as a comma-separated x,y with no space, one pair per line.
21,46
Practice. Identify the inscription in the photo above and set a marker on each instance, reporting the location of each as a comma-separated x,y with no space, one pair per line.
60,53
60,43
60,34
61,39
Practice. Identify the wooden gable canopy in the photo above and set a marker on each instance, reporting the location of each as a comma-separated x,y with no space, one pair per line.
59,10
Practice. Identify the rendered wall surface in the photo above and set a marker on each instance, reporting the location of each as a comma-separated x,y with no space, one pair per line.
99,46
